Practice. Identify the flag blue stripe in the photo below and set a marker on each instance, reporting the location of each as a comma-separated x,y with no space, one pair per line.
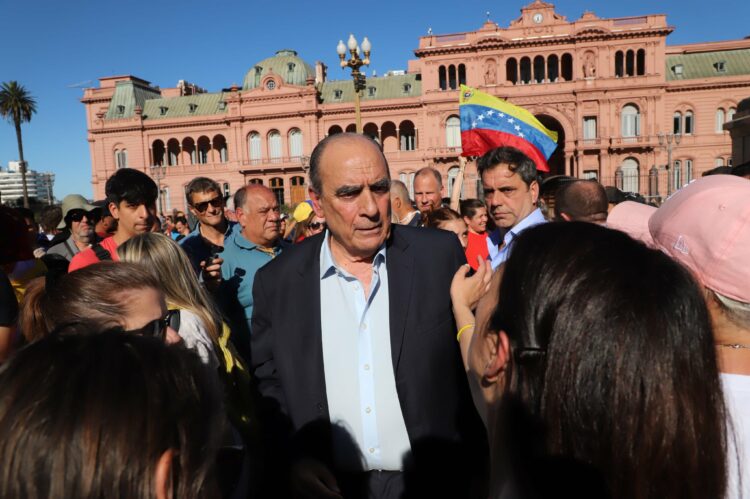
493,119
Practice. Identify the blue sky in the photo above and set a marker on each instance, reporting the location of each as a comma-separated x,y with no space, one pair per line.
54,48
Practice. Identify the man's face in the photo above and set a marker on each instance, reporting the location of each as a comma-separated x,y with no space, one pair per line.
81,225
508,197
106,225
181,227
259,217
427,193
354,197
208,207
478,223
133,219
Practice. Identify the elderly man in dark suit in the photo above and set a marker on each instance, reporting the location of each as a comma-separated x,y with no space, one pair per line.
354,346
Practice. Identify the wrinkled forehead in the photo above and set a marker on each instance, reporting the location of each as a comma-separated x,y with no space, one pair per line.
501,174
352,161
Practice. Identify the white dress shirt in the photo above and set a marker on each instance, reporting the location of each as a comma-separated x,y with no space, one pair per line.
500,251
358,367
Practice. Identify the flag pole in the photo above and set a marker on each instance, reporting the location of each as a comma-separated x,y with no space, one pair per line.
457,184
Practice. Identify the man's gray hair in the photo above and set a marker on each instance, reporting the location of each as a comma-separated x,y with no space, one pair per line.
399,190
314,173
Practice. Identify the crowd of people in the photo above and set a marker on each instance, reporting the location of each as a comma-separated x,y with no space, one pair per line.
542,341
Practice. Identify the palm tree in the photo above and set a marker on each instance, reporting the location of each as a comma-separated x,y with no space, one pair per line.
17,105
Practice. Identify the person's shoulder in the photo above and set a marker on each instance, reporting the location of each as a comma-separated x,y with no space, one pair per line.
294,255
58,249
83,259
109,244
423,236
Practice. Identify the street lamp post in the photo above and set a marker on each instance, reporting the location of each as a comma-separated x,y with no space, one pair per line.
158,172
355,63
669,139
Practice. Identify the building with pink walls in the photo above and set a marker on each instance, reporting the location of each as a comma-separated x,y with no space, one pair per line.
610,87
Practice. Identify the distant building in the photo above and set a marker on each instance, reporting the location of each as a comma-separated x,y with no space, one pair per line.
609,87
40,185
739,129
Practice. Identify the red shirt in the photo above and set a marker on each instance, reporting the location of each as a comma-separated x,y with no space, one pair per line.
477,245
88,257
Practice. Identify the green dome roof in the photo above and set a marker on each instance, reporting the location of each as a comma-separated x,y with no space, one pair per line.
286,63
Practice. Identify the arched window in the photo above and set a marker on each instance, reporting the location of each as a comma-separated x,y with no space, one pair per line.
553,68
619,64
188,147
631,121
220,145
567,67
688,171
452,174
334,130
461,74
453,131
295,143
121,158
452,77
730,113
677,122
157,153
539,69
298,181
408,136
719,162
689,123
720,120
277,187
173,152
511,70
640,63
204,145
257,181
274,146
525,70
442,78
677,175
254,148
630,175
630,63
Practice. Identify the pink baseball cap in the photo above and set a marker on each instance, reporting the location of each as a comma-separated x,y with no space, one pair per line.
632,218
706,227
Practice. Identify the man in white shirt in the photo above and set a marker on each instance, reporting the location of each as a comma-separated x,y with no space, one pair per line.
511,192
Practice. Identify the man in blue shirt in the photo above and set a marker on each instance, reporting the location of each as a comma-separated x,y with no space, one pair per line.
207,239
255,242
511,192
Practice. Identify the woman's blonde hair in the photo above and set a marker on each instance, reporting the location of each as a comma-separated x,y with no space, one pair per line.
164,259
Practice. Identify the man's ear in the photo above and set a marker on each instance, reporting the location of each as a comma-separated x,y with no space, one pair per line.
317,205
163,476
534,188
498,347
114,210
466,220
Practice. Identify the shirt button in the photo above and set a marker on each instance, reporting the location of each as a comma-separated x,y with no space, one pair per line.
367,367
372,450
368,410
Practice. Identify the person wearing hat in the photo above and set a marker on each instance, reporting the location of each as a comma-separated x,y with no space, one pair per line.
79,221
706,227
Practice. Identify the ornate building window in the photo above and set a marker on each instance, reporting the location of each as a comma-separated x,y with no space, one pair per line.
730,113
589,127
677,122
453,131
539,68
525,70
452,175
640,62
511,70
277,187
567,67
619,64
408,179
689,123
720,116
677,175
274,146
631,121
121,158
295,143
630,175
442,78
688,171
254,147
408,136
461,74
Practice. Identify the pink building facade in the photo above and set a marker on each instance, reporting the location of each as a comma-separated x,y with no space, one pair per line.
612,88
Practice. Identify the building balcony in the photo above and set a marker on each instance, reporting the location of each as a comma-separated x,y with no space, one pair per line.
640,141
587,144
443,152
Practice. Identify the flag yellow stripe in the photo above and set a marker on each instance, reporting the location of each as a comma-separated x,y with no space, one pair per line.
482,99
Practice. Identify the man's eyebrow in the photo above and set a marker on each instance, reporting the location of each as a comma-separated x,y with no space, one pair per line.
383,182
348,190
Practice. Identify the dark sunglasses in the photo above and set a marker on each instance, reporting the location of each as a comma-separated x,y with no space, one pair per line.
77,216
217,202
317,225
157,328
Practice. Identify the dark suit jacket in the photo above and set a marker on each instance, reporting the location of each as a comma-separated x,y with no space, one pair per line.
287,352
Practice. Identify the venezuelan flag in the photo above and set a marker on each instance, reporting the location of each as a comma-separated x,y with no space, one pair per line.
488,122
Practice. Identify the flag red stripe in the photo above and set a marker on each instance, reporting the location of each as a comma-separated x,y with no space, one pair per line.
477,141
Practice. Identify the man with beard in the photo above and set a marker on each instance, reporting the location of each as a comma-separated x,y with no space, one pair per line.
79,221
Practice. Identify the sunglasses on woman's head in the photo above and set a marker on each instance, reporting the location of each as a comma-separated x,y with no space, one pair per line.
217,202
156,328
